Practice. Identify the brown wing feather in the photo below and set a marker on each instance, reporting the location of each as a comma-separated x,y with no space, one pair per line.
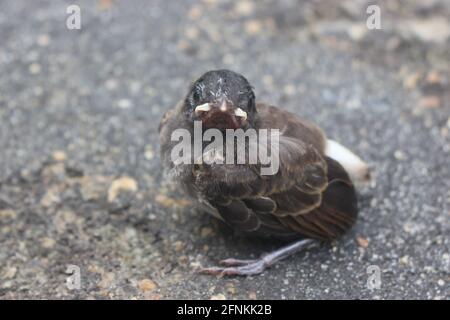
336,213
311,196
291,125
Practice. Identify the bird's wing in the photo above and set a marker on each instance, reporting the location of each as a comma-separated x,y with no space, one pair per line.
310,195
325,214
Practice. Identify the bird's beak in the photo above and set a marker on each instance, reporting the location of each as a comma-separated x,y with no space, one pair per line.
206,107
202,108
238,112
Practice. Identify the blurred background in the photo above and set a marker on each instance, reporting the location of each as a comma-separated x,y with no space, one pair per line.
80,175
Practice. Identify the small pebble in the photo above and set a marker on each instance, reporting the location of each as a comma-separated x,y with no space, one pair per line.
124,104
362,242
43,40
192,33
9,273
410,81
404,260
289,89
219,296
111,84
206,232
47,243
178,246
399,155
105,4
147,285
430,102
244,8
253,27
195,12
267,80
7,214
149,154
124,184
167,202
433,77
50,198
59,156
34,68
231,289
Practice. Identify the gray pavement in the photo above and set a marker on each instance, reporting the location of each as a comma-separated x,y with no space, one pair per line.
80,175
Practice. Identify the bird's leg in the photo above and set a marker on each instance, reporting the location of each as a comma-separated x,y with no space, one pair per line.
256,266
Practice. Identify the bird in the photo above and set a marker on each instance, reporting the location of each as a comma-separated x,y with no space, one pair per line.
310,199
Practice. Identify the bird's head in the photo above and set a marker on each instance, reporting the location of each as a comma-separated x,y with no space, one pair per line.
221,99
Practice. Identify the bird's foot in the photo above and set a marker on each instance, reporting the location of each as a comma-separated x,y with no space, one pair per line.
233,267
231,262
238,267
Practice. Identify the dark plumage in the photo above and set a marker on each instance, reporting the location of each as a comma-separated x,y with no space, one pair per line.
310,197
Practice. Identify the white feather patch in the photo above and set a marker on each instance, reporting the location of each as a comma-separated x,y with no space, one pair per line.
356,168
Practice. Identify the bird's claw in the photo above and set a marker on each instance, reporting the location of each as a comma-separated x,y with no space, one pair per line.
236,267
233,267
232,262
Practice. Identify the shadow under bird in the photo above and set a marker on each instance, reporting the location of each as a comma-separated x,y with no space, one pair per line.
311,198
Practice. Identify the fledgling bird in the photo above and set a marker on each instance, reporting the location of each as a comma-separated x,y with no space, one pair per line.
310,198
